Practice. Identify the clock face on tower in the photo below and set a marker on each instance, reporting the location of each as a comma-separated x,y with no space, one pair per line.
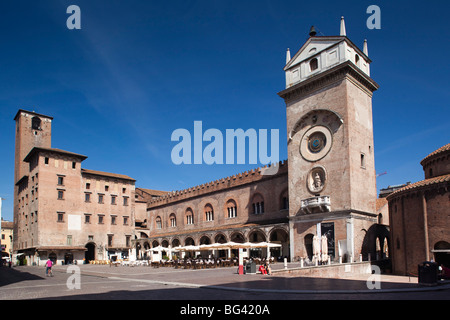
316,143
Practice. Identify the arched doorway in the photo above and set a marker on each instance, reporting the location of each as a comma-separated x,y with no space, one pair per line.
189,242
309,245
205,240
237,237
442,253
220,238
279,236
52,256
138,250
144,254
256,236
175,243
89,254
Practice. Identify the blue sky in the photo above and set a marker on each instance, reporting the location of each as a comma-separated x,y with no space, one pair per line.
138,70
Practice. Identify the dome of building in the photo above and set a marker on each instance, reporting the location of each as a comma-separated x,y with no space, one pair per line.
437,163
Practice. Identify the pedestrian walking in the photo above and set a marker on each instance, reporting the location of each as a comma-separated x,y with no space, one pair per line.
48,271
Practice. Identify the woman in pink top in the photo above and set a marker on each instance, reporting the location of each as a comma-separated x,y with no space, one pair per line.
49,265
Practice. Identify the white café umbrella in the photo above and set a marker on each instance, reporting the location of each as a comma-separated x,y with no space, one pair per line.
158,248
165,249
189,248
324,248
248,245
268,245
316,246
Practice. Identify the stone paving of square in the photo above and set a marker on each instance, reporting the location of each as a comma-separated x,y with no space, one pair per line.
147,283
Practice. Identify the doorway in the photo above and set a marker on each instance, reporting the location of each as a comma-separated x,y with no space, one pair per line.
442,253
309,245
90,252
68,258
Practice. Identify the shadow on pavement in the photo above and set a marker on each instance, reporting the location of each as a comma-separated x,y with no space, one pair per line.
261,288
12,275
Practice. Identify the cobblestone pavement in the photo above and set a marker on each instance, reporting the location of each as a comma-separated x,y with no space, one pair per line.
147,283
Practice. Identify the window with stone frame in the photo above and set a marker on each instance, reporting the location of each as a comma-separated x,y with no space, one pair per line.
258,204
110,240
173,220
189,216
313,64
231,208
284,200
209,213
158,222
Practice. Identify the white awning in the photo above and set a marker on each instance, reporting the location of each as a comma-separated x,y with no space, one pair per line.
229,245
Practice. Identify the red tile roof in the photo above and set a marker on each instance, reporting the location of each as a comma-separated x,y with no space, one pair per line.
153,192
54,150
436,152
444,179
107,174
7,224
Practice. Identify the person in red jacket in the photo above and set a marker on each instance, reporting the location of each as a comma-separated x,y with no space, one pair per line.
445,272
262,269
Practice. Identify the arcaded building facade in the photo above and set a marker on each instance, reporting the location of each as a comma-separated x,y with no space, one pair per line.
326,187
61,210
247,207
419,216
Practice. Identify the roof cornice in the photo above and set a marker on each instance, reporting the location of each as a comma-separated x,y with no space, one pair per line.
337,73
31,113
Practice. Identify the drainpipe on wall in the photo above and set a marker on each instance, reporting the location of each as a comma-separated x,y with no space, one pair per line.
404,235
425,226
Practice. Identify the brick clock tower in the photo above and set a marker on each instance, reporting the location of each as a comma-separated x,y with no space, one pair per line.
332,181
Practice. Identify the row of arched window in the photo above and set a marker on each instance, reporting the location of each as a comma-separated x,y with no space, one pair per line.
208,213
230,211
256,235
